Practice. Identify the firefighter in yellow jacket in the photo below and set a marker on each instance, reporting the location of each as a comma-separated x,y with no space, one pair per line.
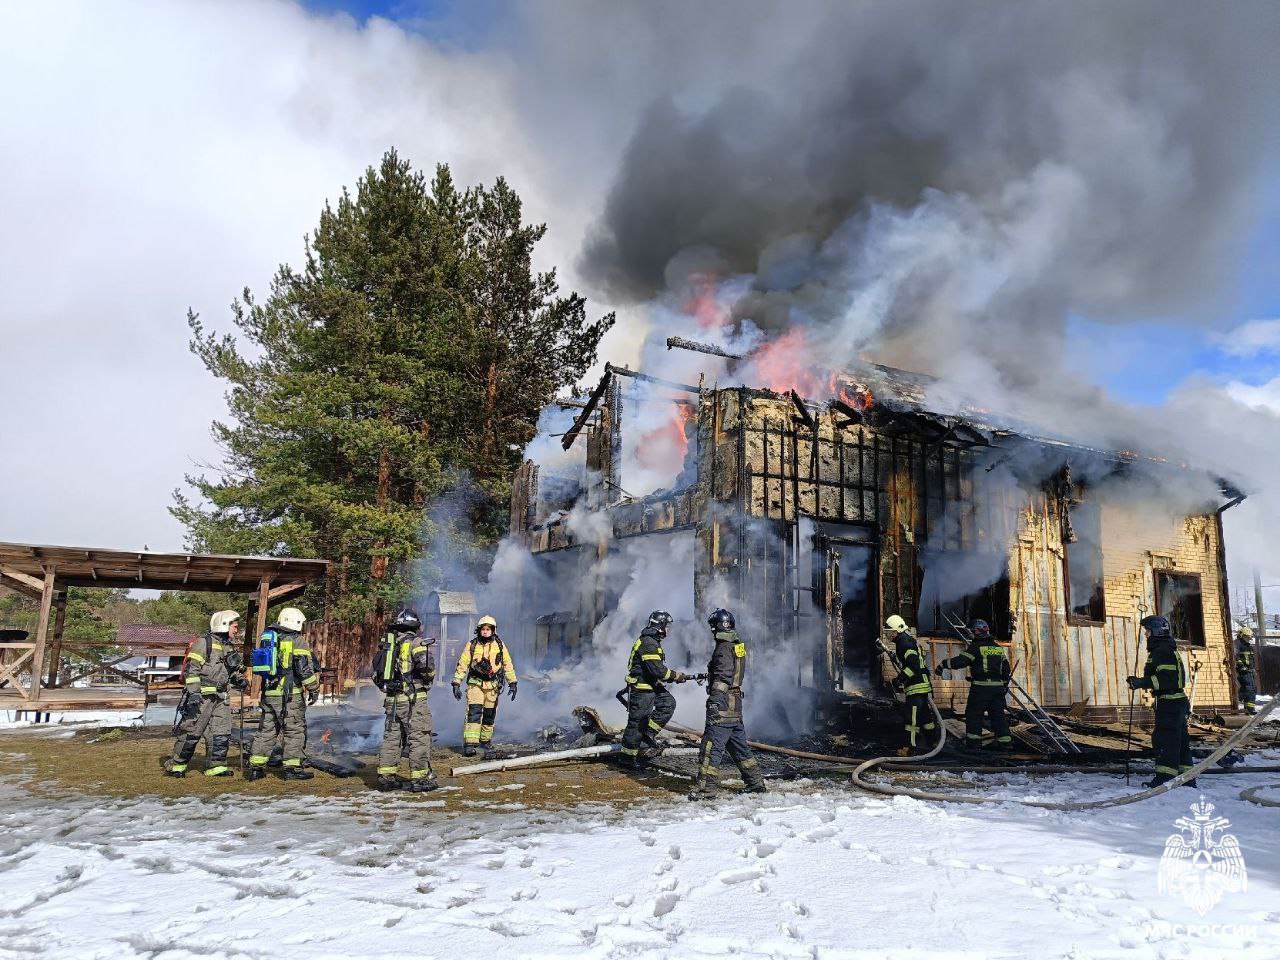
485,665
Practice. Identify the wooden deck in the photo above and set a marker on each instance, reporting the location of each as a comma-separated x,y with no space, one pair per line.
75,698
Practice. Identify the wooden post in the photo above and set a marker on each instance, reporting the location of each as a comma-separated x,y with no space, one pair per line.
59,622
264,601
1262,617
42,634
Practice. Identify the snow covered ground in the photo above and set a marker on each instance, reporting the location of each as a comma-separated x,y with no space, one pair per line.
817,871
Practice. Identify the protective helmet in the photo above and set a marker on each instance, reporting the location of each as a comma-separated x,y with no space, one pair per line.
487,621
722,619
1246,632
221,621
896,624
980,628
406,619
291,618
661,619
1158,626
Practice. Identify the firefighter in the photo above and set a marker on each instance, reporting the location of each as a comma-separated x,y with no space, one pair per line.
913,677
989,675
484,666
1166,677
724,731
650,705
1247,670
290,682
404,670
212,665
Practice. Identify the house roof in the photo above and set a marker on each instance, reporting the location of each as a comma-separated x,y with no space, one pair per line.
154,640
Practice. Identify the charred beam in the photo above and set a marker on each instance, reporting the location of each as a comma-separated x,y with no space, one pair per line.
805,415
683,344
572,433
855,416
624,372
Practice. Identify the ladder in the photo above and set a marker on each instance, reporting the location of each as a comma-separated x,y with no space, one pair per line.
1048,727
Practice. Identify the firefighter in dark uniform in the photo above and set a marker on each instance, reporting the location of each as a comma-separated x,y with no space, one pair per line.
1247,670
913,676
724,732
650,705
989,674
212,665
408,670
1166,677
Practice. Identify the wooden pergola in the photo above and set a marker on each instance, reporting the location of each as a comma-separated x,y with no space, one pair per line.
45,572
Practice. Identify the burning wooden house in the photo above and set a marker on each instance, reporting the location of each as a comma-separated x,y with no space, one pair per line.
816,517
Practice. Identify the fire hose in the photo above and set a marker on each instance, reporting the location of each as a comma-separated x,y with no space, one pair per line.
1223,749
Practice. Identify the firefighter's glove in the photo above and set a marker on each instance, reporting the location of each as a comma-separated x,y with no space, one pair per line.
457,691
239,681
679,677
1133,682
313,695
513,689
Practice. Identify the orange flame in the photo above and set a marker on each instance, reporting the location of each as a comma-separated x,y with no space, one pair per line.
703,305
665,447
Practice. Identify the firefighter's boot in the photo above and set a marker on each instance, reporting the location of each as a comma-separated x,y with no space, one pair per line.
388,782
255,773
704,788
298,773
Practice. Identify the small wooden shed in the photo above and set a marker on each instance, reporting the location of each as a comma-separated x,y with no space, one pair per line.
449,616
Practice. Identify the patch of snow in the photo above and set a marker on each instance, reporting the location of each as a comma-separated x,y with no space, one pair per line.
823,873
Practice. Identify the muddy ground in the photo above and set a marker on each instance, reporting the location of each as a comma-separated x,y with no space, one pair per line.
127,762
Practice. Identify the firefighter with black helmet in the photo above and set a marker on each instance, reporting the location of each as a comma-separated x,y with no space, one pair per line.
212,665
484,666
404,669
989,675
913,678
724,732
1165,676
650,705
1247,670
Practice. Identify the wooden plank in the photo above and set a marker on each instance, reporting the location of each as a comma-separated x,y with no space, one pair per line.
42,633
9,671
285,590
21,582
59,622
264,600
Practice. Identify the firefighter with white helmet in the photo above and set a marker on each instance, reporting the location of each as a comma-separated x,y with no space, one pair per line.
485,665
913,676
290,681
213,664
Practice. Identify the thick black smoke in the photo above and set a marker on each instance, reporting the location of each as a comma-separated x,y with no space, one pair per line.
1099,158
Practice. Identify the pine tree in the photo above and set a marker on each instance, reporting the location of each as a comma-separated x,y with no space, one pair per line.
414,350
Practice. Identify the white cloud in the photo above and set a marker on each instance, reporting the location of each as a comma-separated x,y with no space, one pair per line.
1250,339
156,156
1264,396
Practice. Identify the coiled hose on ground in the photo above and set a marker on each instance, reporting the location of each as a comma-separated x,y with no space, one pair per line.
1214,757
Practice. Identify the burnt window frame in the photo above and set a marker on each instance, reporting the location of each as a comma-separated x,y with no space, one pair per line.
1183,639
1097,615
